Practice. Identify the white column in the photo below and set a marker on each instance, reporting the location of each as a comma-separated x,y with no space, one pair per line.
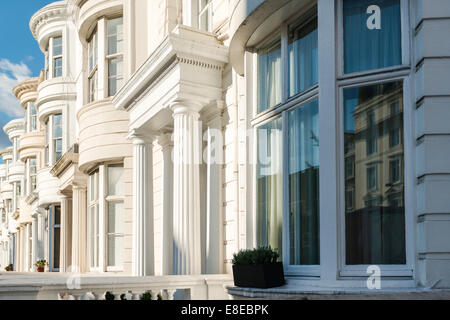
143,236
186,185
27,247
167,238
65,234
79,231
34,241
40,236
214,156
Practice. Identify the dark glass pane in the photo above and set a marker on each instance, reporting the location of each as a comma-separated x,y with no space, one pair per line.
375,205
304,185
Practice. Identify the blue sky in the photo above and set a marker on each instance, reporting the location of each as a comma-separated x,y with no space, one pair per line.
20,56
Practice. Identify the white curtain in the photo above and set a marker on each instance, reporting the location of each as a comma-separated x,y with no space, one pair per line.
269,179
269,77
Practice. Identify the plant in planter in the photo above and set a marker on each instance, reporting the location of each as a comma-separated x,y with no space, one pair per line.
9,267
40,265
258,268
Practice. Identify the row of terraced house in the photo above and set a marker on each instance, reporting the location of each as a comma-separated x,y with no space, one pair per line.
163,136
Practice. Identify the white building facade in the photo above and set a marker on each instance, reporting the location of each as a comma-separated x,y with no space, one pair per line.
164,136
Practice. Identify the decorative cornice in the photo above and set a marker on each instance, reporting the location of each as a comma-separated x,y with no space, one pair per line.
184,45
56,11
16,124
27,86
199,63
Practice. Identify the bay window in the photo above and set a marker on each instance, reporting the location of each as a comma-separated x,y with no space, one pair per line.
114,36
93,221
93,67
287,143
33,117
53,139
57,57
106,208
31,175
105,59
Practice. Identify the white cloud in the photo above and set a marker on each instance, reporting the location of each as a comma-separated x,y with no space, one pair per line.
11,74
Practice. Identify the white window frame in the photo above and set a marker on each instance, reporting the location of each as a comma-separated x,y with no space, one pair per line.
50,140
55,57
110,57
407,269
101,72
92,204
280,110
29,176
208,10
404,12
102,203
93,49
344,81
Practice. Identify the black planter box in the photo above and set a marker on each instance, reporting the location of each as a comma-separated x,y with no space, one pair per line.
259,276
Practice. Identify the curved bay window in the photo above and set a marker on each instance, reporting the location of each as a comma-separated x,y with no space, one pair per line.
105,59
287,172
106,208
53,139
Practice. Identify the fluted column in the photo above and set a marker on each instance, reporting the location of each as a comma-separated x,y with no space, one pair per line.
186,189
66,235
166,144
34,240
79,232
143,236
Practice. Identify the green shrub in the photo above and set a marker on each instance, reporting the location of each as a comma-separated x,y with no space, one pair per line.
262,255
109,296
147,295
9,267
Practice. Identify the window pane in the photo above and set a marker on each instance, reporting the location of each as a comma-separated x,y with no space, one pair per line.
115,233
304,185
115,218
368,49
269,185
115,180
375,221
115,36
115,251
57,67
93,236
57,46
303,56
115,75
269,76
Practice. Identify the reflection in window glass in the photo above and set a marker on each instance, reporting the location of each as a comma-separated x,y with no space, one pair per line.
375,221
303,56
368,49
269,75
269,184
115,180
304,185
